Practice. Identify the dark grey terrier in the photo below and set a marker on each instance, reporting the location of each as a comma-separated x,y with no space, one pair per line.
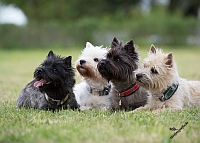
118,67
52,87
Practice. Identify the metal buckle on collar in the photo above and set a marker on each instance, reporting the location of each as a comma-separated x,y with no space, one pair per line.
103,92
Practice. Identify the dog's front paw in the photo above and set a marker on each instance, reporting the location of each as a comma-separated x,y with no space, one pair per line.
139,109
104,108
85,108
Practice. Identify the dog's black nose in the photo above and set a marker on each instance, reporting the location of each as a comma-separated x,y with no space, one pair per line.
102,63
82,62
39,70
139,75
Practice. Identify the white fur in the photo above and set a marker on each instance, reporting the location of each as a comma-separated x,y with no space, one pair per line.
188,92
85,99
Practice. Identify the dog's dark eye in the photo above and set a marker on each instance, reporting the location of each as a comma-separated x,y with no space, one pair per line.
154,71
54,69
117,59
96,59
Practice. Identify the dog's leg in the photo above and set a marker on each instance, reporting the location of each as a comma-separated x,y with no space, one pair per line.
165,109
145,108
85,108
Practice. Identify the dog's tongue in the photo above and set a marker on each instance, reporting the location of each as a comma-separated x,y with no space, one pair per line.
40,83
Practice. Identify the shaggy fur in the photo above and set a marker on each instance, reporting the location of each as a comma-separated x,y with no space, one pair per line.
55,78
121,61
86,66
159,72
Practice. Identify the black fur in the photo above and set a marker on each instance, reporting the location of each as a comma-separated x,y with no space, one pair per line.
54,77
121,61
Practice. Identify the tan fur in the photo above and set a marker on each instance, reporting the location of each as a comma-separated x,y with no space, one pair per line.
158,73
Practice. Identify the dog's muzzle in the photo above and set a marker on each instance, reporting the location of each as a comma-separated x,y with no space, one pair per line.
138,76
82,62
101,65
38,71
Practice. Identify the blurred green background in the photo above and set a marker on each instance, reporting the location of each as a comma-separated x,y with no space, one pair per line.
67,23
64,26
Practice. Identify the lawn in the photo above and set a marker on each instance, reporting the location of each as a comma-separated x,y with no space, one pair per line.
33,126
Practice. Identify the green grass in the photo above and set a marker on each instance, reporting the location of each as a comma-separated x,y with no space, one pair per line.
33,126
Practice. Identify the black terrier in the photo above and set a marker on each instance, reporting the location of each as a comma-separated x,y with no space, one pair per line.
118,67
52,87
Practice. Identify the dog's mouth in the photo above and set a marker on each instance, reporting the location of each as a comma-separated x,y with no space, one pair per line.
81,67
138,80
104,72
41,82
81,64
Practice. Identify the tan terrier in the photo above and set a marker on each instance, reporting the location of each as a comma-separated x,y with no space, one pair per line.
160,76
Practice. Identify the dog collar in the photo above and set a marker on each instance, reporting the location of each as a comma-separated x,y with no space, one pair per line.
103,92
169,92
129,91
54,101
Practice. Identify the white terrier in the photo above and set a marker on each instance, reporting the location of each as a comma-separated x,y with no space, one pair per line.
160,76
94,90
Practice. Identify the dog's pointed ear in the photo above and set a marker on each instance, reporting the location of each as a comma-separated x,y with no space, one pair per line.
68,61
169,62
115,42
129,47
152,49
50,54
89,45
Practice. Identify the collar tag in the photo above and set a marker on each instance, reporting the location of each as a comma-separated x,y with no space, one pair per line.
169,92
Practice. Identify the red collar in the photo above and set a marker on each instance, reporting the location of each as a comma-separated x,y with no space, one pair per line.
129,91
